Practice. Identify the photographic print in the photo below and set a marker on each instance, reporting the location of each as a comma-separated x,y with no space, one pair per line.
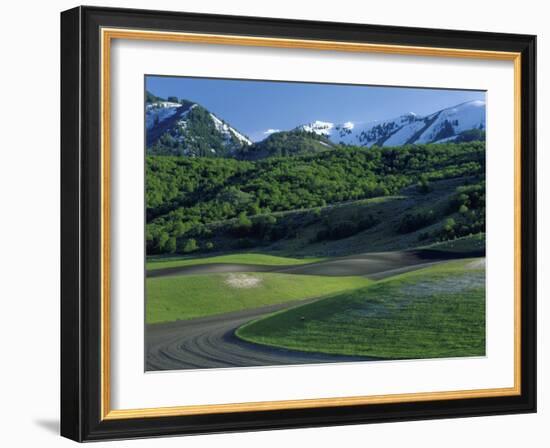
296,223
272,202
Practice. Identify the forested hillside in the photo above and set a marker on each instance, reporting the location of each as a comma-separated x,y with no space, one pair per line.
281,144
436,192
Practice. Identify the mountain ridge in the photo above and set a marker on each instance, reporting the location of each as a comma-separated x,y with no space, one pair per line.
185,128
409,128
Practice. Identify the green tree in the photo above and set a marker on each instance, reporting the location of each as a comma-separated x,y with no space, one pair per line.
190,246
170,246
449,229
423,185
163,239
244,221
254,209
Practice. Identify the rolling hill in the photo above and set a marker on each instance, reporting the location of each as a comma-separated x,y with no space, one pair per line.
285,144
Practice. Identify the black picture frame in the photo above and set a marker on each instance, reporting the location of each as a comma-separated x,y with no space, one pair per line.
81,224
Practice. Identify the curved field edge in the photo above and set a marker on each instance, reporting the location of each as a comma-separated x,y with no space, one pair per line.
246,258
434,312
192,296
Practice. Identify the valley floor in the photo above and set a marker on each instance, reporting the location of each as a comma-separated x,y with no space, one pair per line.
391,305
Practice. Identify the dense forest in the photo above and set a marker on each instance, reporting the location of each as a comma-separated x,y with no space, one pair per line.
200,204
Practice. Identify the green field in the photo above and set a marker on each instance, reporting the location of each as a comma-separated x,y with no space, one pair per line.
433,312
268,260
187,297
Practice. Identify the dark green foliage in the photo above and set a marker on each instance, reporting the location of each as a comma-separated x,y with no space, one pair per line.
344,229
244,243
159,241
423,185
469,196
469,202
416,220
286,144
190,246
171,245
467,214
423,236
264,227
209,198
242,225
471,135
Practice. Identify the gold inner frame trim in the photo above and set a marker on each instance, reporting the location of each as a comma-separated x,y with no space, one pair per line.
107,35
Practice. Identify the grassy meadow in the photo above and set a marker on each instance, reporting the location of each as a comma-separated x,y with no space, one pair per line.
186,297
434,312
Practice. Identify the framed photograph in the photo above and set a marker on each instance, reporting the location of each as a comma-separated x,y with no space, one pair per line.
276,224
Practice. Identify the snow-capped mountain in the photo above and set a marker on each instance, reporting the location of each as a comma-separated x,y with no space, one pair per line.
187,128
180,127
159,111
444,125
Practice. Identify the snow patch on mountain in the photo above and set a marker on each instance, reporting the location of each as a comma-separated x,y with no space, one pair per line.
186,128
184,133
348,125
318,127
227,130
159,111
181,124
454,120
444,125
404,134
447,140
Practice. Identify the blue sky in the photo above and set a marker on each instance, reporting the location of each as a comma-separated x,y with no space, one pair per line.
253,107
